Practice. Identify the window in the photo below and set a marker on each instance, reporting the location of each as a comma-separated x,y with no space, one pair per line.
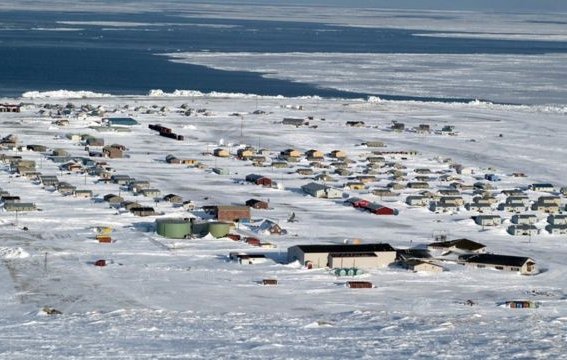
499,267
515,269
480,266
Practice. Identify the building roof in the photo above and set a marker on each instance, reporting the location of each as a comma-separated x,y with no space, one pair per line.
494,259
121,121
464,244
353,254
344,248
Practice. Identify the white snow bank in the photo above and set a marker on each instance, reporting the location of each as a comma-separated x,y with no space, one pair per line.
13,253
63,94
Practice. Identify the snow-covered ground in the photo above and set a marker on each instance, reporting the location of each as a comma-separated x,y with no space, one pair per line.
163,298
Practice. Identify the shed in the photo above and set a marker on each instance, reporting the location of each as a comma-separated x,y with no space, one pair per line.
220,152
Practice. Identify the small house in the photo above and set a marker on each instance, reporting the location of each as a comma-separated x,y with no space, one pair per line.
49,180
418,265
513,208
557,219
384,193
83,194
294,122
138,185
93,141
245,153
112,152
355,123
439,207
314,154
522,265
220,152
143,211
488,220
338,154
549,208
543,187
556,229
357,202
452,200
417,200
18,206
379,209
150,192
523,219
290,154
172,198
322,191
257,204
259,180
354,185
523,230
37,148
374,143
304,171
417,185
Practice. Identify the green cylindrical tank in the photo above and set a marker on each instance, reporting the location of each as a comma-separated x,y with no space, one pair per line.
174,228
219,229
200,228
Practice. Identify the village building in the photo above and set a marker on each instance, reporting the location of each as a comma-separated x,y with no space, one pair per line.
295,122
478,207
452,200
523,219
355,123
65,188
557,219
113,199
417,200
314,155
138,185
459,246
174,199
513,208
247,258
337,154
324,177
543,187
549,208
130,205
523,230
346,255
121,179
120,121
112,152
423,129
279,164
290,155
549,200
373,159
232,213
384,193
522,265
488,220
259,180
6,198
379,209
304,171
257,204
417,185
19,206
398,126
150,192
322,191
49,180
83,194
418,265
449,192
142,211
374,143
4,108
354,185
220,152
37,148
439,207
245,153
93,141
556,229
357,202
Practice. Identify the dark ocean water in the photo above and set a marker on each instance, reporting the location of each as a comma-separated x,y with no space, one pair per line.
122,60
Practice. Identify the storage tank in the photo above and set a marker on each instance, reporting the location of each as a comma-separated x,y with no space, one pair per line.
219,229
174,228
